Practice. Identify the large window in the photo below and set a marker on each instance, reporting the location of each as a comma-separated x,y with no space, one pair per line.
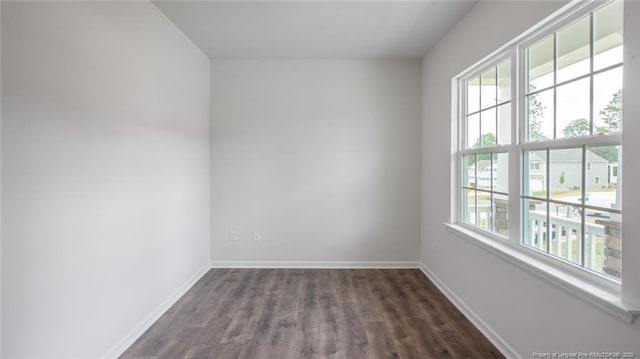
560,142
485,184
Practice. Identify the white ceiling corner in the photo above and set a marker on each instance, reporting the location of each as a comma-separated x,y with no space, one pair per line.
315,29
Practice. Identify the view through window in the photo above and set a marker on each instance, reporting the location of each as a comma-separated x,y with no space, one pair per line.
569,148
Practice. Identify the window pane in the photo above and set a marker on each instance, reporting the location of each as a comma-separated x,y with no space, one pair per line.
534,224
501,172
489,88
607,101
473,95
469,170
566,232
607,35
473,131
540,116
603,243
573,80
488,127
469,206
540,64
500,214
504,124
483,166
565,174
535,173
602,176
484,210
572,114
504,81
573,50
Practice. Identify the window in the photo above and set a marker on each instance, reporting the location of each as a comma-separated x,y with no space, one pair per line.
485,185
560,142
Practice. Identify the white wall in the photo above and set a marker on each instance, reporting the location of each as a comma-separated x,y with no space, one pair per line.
631,174
528,313
0,184
321,156
105,172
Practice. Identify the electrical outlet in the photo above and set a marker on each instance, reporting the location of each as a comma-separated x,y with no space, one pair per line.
233,236
256,236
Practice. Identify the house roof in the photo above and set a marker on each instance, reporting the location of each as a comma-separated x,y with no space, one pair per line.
533,157
569,155
572,155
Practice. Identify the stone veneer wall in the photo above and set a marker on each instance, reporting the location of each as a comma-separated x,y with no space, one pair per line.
612,247
502,216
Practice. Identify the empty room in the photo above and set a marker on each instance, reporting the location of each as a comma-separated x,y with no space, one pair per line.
319,179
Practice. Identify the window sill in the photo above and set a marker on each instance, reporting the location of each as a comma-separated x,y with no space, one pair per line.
583,289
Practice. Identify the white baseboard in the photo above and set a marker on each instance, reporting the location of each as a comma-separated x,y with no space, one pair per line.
312,264
484,328
142,327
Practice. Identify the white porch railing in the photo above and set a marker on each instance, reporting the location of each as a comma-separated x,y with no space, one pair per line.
565,230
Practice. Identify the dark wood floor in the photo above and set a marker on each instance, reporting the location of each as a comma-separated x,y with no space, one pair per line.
313,313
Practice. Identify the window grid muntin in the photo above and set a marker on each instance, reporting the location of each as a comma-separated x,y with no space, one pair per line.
488,108
492,151
591,74
499,60
581,77
583,141
464,189
519,130
587,141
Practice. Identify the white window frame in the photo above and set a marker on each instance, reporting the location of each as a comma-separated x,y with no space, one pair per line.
461,150
601,290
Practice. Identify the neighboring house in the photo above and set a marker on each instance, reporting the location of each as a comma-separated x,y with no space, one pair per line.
484,177
566,171
613,173
569,162
488,177
537,172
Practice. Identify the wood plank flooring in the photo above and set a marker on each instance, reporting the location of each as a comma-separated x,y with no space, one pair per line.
312,313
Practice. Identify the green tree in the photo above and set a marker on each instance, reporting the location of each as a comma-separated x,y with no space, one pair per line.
609,153
561,180
536,114
486,140
611,115
577,127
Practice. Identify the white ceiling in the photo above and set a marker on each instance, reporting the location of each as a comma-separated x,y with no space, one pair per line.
315,29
